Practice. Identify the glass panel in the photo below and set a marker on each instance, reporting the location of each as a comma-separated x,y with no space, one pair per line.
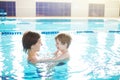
96,10
8,7
53,9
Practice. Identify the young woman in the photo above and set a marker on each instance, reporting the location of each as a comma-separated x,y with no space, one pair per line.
31,44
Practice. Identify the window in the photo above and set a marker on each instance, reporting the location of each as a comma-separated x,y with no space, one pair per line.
53,9
96,10
8,7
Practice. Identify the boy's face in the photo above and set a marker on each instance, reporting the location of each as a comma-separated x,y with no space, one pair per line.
60,46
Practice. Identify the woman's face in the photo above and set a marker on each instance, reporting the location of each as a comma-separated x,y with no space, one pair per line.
60,46
37,45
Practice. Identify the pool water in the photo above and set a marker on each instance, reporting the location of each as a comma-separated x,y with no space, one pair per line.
94,51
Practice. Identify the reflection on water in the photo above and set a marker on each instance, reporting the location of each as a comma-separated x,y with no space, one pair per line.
94,56
97,54
60,24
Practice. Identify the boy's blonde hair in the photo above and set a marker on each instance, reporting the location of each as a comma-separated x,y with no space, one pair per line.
64,38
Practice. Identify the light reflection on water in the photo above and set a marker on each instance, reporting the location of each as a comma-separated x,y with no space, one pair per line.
93,56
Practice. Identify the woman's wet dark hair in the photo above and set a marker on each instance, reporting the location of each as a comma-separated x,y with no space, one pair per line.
29,38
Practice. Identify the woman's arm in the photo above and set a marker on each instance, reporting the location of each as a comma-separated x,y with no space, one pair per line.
55,53
60,58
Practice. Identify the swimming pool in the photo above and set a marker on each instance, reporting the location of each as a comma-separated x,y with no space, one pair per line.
95,49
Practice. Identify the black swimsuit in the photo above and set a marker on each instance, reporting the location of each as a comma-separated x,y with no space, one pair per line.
61,63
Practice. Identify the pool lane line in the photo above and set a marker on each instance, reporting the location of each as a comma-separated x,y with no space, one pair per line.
56,32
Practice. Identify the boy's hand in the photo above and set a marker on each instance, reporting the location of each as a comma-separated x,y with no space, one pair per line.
56,52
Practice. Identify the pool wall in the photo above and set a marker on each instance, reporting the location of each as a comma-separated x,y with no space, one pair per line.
61,8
